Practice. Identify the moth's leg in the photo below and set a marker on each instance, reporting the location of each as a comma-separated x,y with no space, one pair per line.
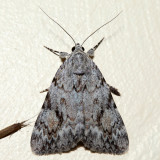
60,54
114,91
45,90
91,51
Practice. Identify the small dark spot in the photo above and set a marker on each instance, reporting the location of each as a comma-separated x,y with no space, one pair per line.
114,105
85,87
95,101
59,115
80,74
103,81
48,99
43,107
74,88
62,101
99,116
54,81
110,98
73,48
63,60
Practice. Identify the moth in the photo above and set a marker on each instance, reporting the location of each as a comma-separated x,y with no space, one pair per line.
12,129
79,108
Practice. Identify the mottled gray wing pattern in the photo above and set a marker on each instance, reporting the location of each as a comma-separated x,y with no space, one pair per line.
59,125
104,128
79,108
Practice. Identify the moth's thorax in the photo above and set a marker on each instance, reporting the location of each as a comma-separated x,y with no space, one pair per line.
79,63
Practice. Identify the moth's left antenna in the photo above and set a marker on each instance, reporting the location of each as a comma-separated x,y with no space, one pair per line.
57,24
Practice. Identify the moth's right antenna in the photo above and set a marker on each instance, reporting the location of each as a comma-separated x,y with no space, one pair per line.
57,24
102,26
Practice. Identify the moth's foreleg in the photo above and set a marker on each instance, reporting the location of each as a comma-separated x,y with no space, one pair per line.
45,90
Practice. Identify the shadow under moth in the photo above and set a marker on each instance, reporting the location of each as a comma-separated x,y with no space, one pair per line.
79,108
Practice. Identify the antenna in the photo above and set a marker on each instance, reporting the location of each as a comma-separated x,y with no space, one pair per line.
102,26
57,24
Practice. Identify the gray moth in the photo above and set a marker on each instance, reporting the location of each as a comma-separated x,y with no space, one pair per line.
79,108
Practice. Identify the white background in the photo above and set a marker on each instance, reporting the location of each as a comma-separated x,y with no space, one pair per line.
129,59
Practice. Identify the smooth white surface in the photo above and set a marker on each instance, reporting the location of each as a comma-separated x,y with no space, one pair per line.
129,59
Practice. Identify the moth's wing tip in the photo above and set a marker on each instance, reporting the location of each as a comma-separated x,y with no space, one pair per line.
122,152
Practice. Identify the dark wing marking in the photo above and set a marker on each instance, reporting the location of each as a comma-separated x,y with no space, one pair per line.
104,128
57,128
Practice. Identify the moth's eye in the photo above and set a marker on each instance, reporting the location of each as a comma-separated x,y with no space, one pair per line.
83,48
73,48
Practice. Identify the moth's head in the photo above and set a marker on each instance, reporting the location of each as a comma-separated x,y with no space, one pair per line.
77,47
